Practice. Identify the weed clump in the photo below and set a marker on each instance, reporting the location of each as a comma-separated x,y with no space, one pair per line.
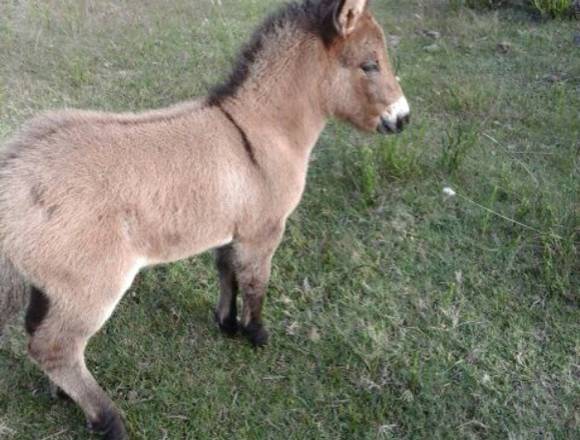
551,8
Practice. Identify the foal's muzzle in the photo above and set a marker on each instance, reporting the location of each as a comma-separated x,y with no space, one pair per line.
388,127
395,120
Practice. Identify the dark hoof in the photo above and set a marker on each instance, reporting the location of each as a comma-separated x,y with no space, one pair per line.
109,425
229,326
256,334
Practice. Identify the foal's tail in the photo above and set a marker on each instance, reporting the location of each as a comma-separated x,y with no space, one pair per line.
13,291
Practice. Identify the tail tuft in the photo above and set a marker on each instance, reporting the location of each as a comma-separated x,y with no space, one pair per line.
13,292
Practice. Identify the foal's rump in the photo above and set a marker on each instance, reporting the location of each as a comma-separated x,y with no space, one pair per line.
59,217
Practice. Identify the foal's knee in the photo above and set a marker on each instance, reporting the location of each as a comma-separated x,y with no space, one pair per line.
50,354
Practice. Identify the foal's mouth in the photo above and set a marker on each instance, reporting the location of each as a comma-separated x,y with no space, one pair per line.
389,126
395,120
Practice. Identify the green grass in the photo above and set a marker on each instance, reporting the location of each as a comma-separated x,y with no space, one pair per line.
561,9
395,312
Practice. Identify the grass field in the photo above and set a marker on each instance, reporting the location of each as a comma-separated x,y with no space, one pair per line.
395,311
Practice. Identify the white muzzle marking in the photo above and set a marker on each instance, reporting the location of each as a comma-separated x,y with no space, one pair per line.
399,110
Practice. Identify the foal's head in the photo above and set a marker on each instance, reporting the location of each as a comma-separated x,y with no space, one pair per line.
363,89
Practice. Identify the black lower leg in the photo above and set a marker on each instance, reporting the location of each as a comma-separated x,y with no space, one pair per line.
109,424
255,333
226,314
229,325
253,328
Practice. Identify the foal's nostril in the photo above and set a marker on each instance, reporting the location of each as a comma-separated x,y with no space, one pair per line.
393,124
402,122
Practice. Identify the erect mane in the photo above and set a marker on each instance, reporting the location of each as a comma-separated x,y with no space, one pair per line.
311,16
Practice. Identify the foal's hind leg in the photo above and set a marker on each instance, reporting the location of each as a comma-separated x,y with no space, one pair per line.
60,327
227,311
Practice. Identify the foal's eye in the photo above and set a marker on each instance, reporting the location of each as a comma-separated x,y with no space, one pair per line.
370,67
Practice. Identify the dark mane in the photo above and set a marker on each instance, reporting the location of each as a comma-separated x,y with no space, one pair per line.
312,16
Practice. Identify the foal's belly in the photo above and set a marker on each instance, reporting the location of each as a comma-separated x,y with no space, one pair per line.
175,246
177,254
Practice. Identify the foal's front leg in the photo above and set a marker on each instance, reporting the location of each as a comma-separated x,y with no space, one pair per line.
226,314
247,264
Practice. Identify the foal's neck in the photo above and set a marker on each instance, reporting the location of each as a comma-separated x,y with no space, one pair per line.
282,98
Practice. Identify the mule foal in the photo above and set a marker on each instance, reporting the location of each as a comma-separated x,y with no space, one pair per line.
87,199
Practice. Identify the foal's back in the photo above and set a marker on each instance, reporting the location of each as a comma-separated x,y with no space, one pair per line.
165,184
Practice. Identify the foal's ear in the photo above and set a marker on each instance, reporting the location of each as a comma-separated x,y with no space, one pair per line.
348,13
